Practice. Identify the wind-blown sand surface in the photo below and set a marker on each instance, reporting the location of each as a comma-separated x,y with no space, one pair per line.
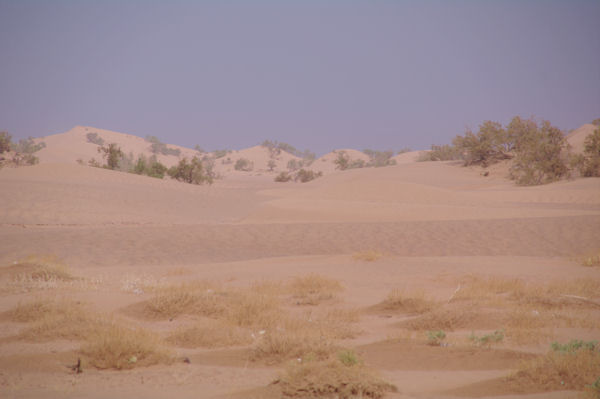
434,225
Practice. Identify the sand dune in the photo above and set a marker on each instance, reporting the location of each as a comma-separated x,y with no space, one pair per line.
436,226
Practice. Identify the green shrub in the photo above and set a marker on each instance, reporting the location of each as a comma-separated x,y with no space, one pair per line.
294,165
348,358
112,153
94,138
440,153
304,176
283,177
574,345
487,339
244,165
435,338
158,147
589,162
489,145
28,146
192,172
149,167
380,158
5,142
539,155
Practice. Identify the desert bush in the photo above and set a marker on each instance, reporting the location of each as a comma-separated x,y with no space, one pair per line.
277,345
313,289
198,299
193,172
489,145
271,165
259,310
20,159
591,260
149,167
244,165
342,161
283,177
113,154
117,347
487,339
571,369
5,142
28,146
589,162
596,122
400,301
294,165
435,338
332,379
158,147
220,153
540,156
440,153
94,138
304,175
380,158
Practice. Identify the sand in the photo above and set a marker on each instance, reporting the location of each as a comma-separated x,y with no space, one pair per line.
435,225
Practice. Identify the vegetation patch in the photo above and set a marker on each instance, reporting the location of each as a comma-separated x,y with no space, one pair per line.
332,378
210,334
487,340
370,255
436,338
313,289
572,366
400,301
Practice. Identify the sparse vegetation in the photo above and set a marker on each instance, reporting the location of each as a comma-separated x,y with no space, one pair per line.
94,138
149,167
380,158
440,153
588,163
313,289
283,177
158,147
113,154
400,301
435,338
487,339
210,334
574,368
331,378
193,172
302,176
5,142
244,165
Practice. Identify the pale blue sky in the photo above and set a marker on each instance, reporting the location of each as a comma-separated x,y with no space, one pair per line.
317,74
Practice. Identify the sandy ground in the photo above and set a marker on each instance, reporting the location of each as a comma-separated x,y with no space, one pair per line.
435,225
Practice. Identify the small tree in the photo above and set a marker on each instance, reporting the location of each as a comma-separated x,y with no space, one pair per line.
5,142
112,153
589,164
539,156
489,145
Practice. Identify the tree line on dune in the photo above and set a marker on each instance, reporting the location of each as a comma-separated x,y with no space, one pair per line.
539,152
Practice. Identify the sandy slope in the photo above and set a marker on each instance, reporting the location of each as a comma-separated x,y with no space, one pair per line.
435,223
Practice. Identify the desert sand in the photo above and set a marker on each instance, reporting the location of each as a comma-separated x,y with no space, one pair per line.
429,229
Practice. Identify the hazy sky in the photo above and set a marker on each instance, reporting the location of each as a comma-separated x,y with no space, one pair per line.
316,74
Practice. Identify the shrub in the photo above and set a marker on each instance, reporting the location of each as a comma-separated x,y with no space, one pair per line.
435,338
5,142
539,155
28,146
94,138
440,153
112,153
158,147
380,158
589,161
271,165
149,167
192,172
398,300
220,153
487,339
283,177
313,289
294,165
331,378
304,176
243,164
489,145
342,162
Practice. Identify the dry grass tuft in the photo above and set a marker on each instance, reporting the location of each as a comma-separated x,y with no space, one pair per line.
333,379
299,343
367,256
338,323
400,301
37,273
55,320
253,309
195,298
479,288
440,319
314,289
558,371
118,347
590,260
210,334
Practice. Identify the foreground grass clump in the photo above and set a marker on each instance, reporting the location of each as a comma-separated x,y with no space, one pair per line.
591,260
55,320
435,338
39,272
299,343
343,377
194,298
487,339
400,301
314,289
118,347
573,366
